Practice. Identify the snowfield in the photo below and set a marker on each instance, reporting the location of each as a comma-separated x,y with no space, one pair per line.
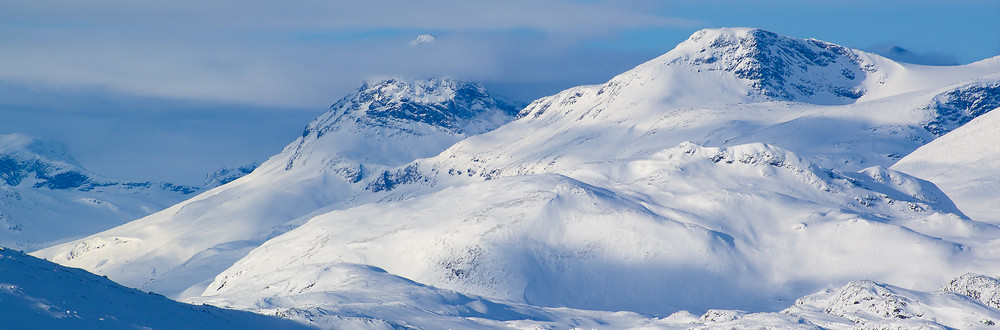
743,179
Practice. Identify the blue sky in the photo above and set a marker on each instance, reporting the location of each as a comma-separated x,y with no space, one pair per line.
172,89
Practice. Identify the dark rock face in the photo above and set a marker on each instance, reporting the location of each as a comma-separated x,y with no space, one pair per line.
467,101
390,180
14,170
781,67
961,105
429,113
443,103
64,180
867,297
982,288
228,174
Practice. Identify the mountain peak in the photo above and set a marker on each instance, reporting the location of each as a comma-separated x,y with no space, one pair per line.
24,146
901,54
755,41
717,34
777,66
25,157
45,164
402,119
444,103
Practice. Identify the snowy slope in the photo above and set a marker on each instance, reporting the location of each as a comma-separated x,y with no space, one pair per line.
37,294
340,158
965,164
46,197
359,296
750,227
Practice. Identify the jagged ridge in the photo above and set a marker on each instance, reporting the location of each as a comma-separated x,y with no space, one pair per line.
777,66
442,102
383,120
959,106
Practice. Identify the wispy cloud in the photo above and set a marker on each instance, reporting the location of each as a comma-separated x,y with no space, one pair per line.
350,14
289,54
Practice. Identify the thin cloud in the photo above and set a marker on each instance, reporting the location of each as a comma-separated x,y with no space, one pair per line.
560,15
280,54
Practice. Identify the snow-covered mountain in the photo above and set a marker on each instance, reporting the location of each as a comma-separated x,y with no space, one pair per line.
900,54
677,97
340,159
960,105
37,294
47,198
741,170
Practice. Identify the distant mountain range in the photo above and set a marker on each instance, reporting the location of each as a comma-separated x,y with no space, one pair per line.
46,197
741,174
49,198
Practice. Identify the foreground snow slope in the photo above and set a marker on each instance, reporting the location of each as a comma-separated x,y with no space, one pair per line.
359,296
965,164
47,198
337,161
749,227
37,294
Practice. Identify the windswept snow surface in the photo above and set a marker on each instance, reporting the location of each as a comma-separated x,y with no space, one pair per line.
741,170
749,226
47,198
37,294
359,296
965,164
